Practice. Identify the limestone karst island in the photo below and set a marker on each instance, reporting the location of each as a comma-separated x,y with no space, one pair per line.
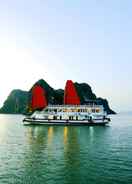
75,105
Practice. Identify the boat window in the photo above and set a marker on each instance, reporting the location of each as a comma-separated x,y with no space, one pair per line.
55,110
55,117
70,117
93,110
97,110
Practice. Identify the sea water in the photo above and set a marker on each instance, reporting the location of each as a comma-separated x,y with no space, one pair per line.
66,155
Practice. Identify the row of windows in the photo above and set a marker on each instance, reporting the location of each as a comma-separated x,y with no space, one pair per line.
69,118
73,110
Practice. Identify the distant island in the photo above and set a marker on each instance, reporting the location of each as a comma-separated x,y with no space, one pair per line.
18,100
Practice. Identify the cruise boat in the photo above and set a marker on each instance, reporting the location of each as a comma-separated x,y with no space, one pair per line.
69,115
72,112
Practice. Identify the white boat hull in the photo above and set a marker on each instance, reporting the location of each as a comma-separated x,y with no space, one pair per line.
31,121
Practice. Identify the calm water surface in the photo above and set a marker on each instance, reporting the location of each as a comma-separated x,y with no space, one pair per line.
65,155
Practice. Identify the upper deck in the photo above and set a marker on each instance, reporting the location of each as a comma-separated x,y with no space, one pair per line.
74,108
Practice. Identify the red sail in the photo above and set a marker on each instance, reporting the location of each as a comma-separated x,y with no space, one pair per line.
70,95
39,100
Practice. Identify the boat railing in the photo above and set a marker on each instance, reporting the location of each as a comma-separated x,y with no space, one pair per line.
76,106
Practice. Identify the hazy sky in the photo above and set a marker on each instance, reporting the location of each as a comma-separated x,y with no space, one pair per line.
83,40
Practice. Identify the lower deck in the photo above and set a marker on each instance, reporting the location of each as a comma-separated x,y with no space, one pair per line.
31,121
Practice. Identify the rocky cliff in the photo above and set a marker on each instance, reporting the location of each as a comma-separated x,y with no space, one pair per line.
18,100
